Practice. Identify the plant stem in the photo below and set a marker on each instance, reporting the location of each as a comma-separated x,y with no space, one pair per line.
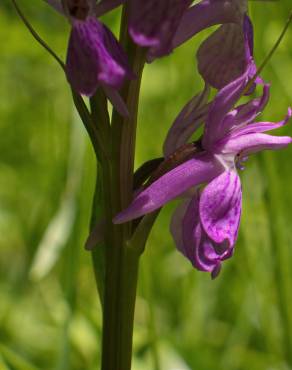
124,128
121,261
119,306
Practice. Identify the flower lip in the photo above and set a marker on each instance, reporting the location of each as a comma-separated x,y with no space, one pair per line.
220,208
193,241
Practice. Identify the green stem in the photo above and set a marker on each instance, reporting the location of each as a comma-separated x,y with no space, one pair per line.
124,128
122,261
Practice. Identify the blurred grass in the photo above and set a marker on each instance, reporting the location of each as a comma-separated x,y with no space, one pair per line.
242,320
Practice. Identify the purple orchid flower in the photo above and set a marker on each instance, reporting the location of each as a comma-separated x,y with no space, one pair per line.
195,111
94,56
205,226
163,25
153,24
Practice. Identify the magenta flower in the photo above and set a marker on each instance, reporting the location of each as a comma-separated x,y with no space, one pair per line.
195,111
195,214
153,24
205,227
94,56
162,25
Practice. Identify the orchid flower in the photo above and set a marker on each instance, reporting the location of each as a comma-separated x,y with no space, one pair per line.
205,227
163,25
153,24
94,56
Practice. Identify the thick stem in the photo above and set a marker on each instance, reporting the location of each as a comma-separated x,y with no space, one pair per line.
119,307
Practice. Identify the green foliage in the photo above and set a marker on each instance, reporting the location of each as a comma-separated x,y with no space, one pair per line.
50,317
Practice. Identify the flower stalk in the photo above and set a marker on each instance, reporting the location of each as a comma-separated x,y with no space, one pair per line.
121,261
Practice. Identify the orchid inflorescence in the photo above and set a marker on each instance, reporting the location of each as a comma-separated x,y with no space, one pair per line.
203,173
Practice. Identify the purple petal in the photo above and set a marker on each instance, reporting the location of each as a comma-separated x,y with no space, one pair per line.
248,36
176,225
259,127
201,169
94,56
244,114
192,233
251,143
153,24
220,208
193,242
203,15
222,104
222,56
187,122
209,255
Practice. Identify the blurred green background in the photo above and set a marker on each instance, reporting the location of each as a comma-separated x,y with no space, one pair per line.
50,317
